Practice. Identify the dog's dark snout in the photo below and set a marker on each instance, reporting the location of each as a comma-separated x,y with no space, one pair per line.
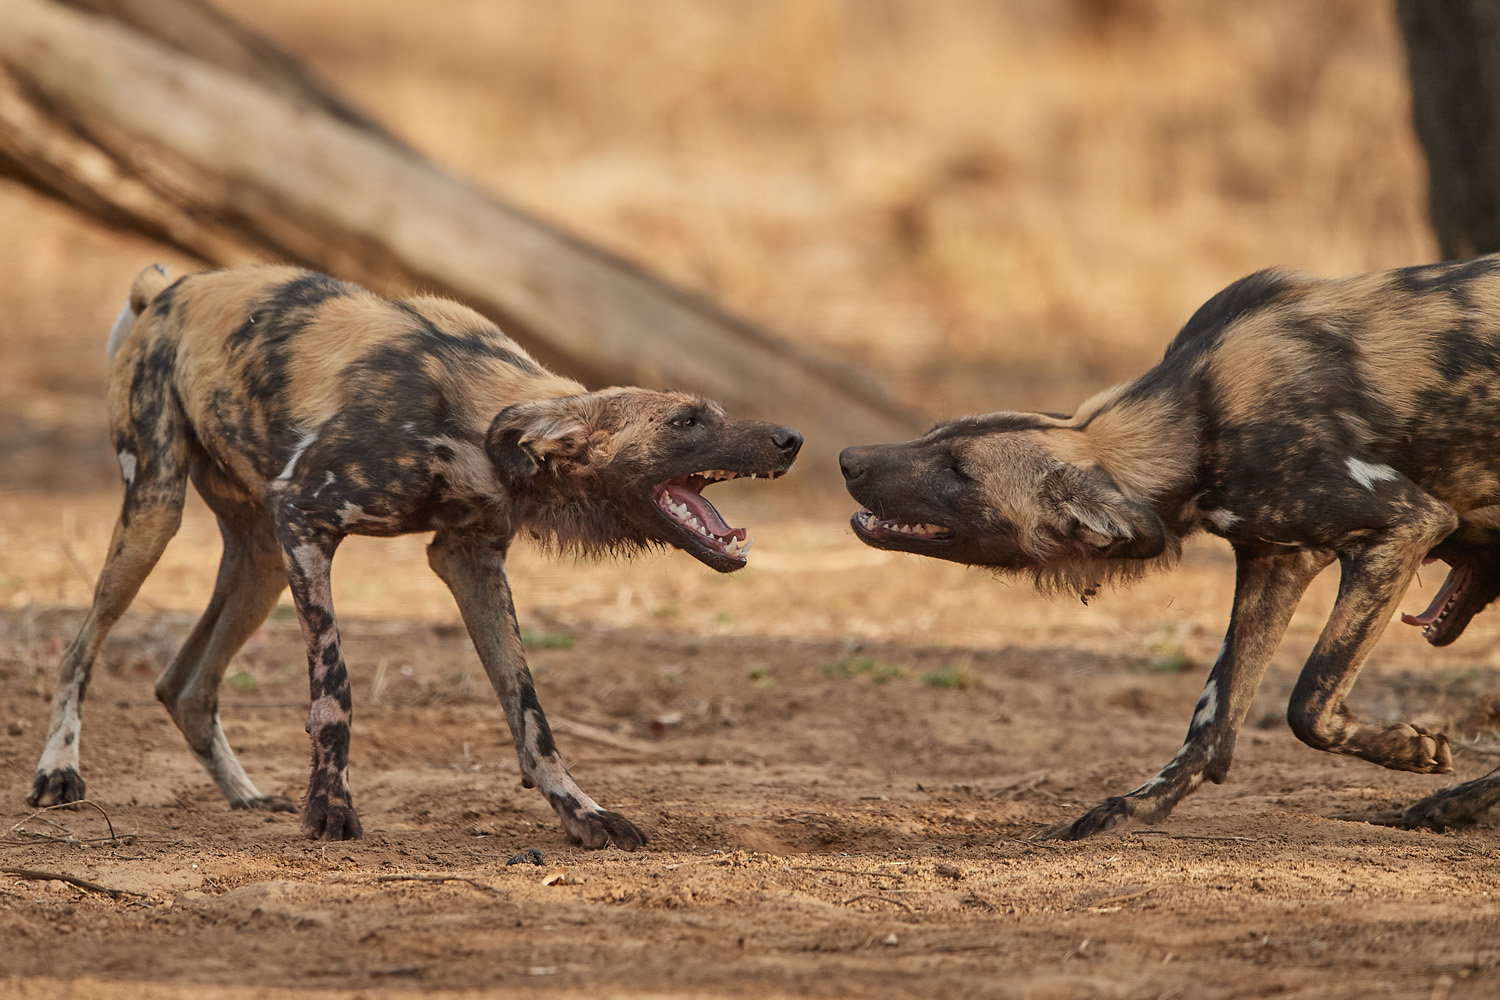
852,464
787,439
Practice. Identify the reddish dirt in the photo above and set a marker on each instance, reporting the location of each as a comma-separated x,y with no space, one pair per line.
826,820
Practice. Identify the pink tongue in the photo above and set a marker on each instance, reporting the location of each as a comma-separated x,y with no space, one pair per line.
1455,578
707,516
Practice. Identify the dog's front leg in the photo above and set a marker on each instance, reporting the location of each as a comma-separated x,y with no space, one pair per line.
328,813
1268,585
474,570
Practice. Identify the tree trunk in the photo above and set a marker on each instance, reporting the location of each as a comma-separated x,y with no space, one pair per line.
245,158
1453,52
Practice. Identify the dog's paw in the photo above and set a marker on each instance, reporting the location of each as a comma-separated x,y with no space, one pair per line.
1416,749
594,828
325,820
55,788
1111,813
267,803
600,828
1450,809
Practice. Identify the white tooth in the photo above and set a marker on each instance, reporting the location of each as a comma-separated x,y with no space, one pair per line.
745,545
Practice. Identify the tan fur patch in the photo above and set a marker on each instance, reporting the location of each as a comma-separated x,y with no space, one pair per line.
1146,447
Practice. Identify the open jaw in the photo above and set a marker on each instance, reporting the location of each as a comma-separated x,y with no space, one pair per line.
681,501
878,530
1435,620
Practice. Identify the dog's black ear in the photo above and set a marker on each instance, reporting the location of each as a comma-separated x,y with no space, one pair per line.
1089,508
512,460
526,438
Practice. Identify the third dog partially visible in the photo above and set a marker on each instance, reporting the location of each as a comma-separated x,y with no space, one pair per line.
1304,420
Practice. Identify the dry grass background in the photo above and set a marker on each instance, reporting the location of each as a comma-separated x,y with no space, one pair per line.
991,204
988,205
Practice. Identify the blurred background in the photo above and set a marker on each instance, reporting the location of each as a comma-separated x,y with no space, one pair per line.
984,205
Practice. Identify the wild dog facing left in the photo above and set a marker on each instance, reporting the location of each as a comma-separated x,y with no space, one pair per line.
304,410
1303,420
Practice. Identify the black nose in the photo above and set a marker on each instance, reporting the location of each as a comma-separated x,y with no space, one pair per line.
850,463
787,439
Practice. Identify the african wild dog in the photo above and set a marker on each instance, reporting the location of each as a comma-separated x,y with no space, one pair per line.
304,410
1304,420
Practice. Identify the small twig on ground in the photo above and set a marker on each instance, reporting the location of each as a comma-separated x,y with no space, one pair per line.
1484,748
16,829
1115,900
1016,788
441,878
846,871
594,735
36,876
1191,836
83,573
124,841
883,899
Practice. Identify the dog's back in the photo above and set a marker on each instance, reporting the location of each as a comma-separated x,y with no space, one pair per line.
1397,368
262,360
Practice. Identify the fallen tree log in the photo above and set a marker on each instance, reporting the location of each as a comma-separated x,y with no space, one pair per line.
208,157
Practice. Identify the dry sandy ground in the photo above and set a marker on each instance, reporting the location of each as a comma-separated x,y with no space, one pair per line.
840,756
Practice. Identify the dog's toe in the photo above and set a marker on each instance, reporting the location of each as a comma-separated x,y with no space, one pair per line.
324,820
1425,752
55,788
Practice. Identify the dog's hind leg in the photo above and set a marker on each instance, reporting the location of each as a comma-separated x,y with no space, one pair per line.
1375,575
251,576
1268,585
474,570
1450,808
152,452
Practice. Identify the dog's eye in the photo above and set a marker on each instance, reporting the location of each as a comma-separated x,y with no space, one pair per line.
683,422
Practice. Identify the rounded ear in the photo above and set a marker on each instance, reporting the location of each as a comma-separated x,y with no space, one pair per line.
524,438
1085,506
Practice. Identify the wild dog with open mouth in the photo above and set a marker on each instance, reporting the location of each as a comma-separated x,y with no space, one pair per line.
305,409
1304,420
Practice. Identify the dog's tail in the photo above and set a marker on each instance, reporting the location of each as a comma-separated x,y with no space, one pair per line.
145,288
